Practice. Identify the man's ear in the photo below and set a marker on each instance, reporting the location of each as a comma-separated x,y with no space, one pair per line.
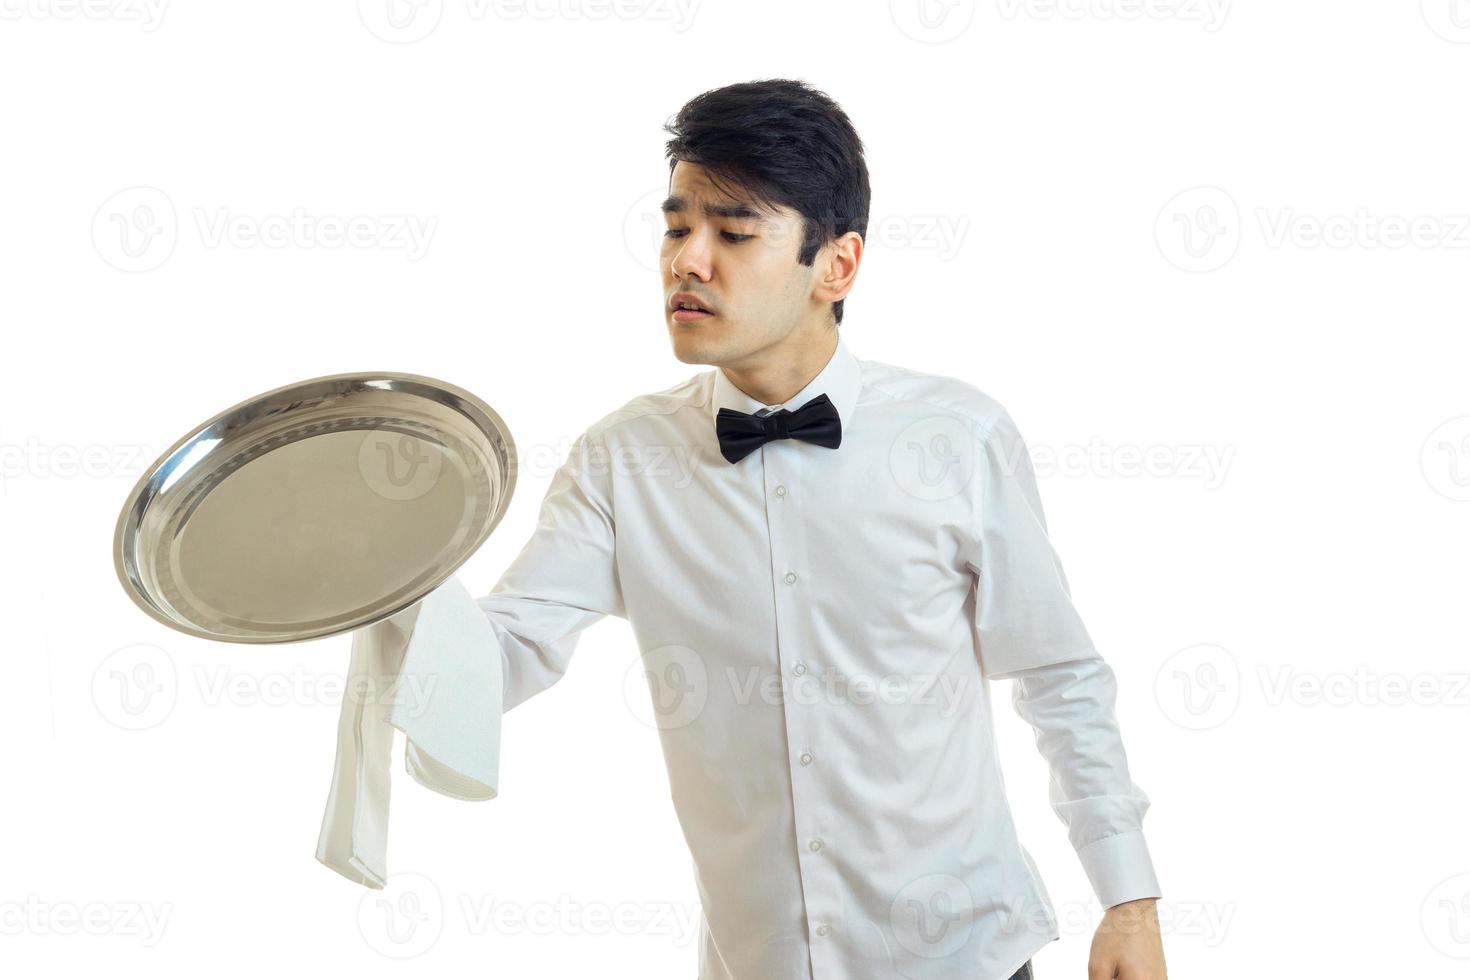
838,261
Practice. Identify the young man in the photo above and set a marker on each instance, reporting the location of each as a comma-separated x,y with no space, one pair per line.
822,585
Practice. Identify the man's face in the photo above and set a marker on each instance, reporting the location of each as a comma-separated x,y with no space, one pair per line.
739,261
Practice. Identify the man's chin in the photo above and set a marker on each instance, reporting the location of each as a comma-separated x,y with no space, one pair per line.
690,353
690,347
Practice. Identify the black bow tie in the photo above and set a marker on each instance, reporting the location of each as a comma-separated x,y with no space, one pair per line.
742,434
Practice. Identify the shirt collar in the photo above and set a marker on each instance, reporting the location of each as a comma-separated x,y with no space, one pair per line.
839,381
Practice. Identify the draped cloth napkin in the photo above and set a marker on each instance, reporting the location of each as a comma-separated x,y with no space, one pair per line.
433,672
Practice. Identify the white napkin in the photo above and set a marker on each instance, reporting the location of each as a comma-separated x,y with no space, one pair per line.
444,692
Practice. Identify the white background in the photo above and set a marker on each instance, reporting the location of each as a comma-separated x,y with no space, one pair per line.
1212,257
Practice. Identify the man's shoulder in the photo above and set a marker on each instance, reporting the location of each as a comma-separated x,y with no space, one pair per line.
896,383
691,391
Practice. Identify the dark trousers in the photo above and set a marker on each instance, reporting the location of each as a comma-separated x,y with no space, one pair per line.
1024,973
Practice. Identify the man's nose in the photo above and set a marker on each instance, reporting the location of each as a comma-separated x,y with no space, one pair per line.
691,258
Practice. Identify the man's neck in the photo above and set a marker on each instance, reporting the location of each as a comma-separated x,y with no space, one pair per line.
781,370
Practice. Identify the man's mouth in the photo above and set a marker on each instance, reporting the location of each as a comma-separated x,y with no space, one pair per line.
687,307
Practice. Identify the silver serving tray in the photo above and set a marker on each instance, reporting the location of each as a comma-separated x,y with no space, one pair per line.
315,508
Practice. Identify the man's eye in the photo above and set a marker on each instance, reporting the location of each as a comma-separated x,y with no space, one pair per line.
730,235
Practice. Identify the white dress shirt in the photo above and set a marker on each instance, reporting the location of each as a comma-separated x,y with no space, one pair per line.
819,628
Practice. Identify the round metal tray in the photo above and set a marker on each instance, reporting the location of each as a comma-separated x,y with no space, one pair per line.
315,508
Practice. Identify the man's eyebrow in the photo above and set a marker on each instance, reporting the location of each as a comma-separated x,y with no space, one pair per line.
740,209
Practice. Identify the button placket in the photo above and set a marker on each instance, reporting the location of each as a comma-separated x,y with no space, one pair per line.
803,714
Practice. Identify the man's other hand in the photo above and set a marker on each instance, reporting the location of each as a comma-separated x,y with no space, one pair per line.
1127,945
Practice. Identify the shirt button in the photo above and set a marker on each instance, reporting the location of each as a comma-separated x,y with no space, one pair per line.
800,668
806,758
816,844
780,489
790,577
822,929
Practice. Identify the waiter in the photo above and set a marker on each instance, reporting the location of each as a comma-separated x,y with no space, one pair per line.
821,598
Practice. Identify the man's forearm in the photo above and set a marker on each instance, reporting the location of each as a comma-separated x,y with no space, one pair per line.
1070,707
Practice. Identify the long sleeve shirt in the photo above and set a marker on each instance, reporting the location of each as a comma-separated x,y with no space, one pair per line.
818,628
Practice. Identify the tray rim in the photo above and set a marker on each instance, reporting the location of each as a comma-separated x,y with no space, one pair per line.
140,486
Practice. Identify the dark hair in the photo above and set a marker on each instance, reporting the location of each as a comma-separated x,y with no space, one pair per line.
786,144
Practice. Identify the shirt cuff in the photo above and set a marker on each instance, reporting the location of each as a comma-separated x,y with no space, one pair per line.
434,673
1119,868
